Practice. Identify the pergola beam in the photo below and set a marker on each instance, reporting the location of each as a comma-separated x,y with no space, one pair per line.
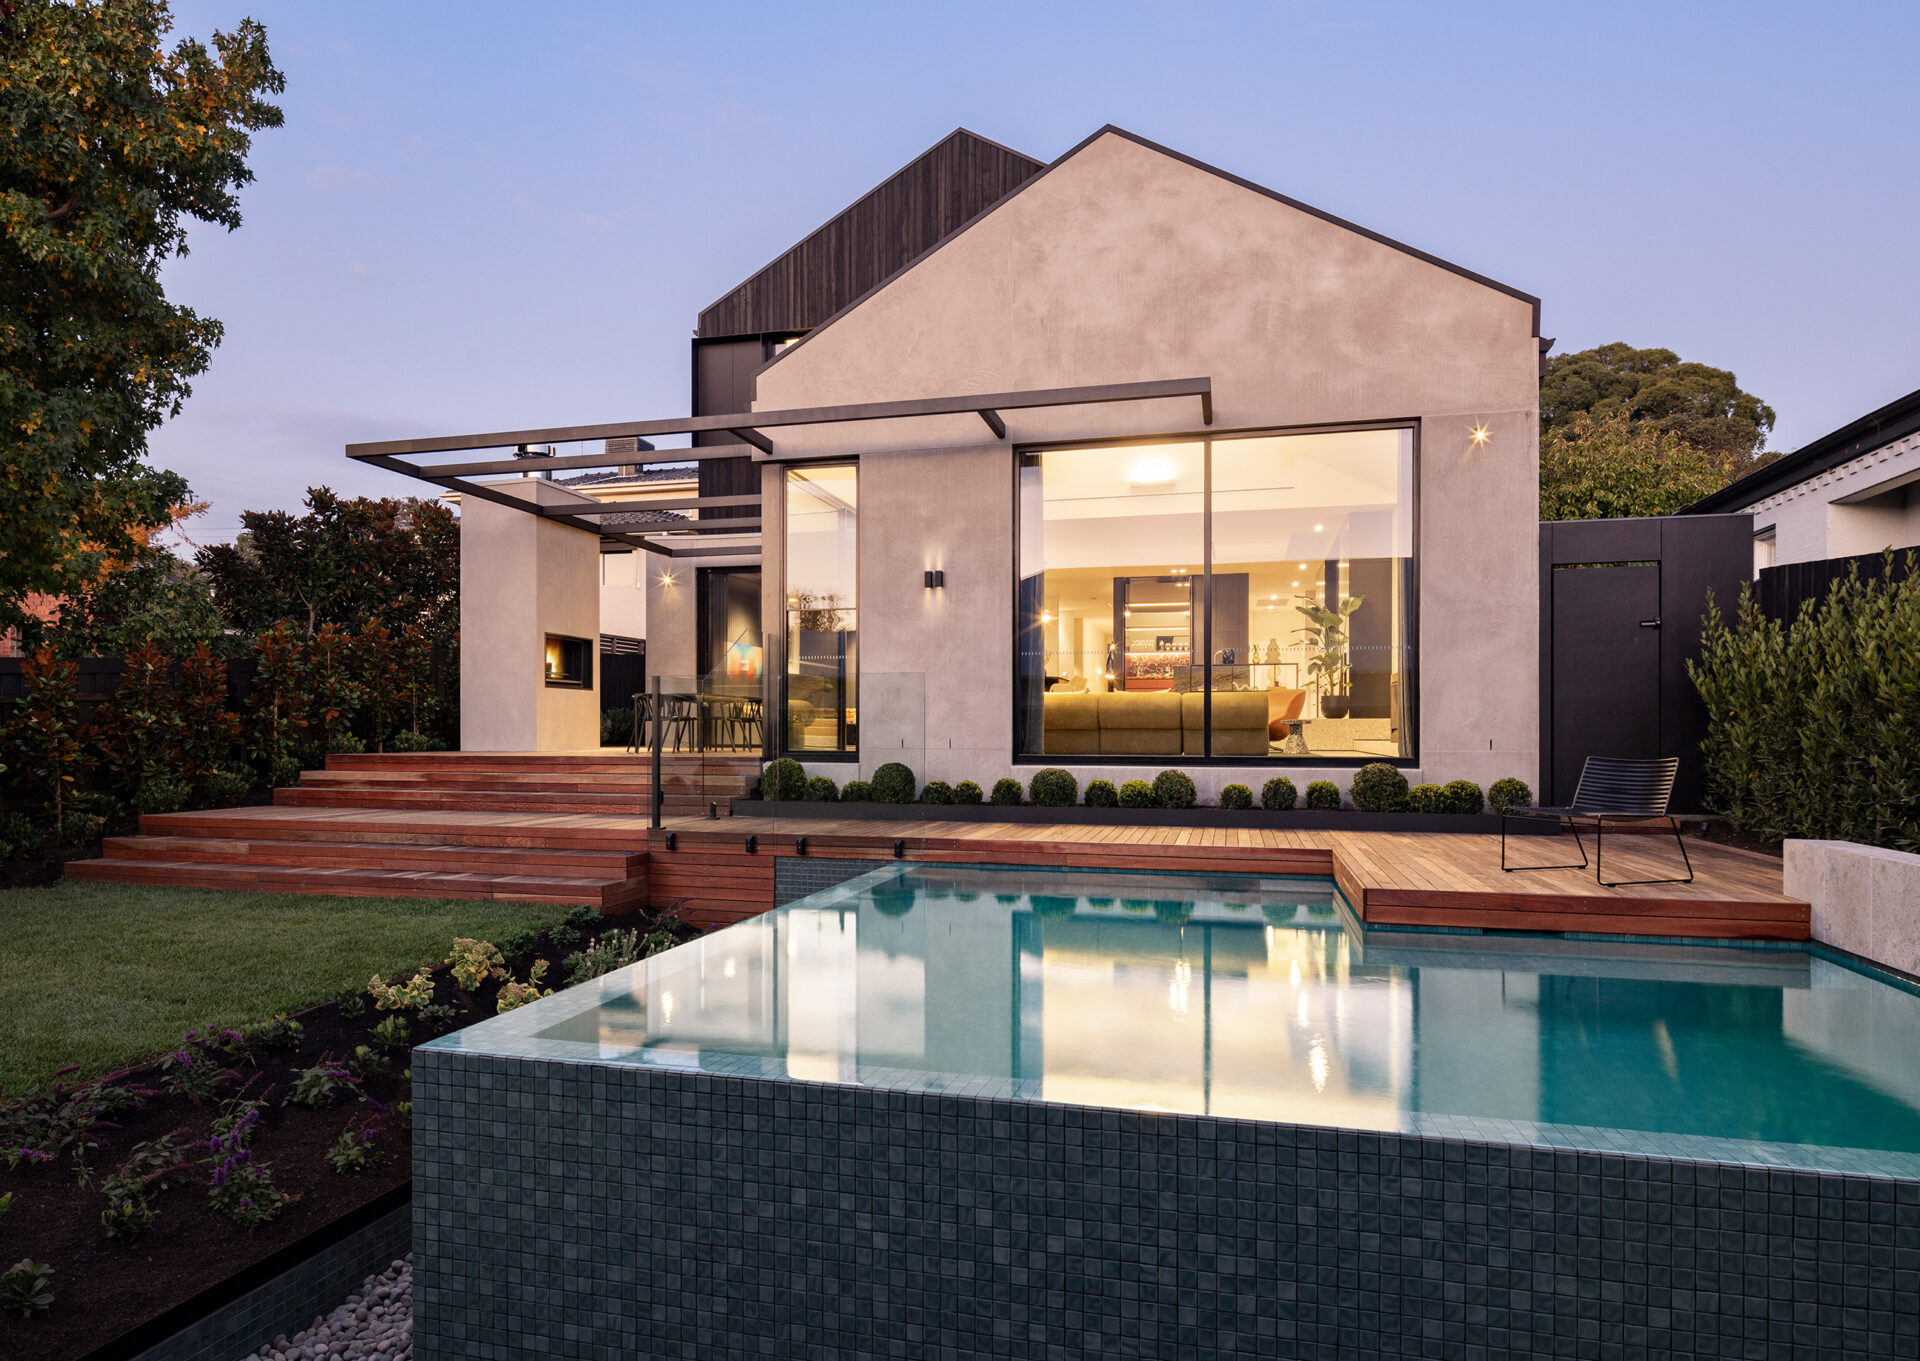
994,423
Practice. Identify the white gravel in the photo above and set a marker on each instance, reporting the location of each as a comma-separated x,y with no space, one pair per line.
375,1322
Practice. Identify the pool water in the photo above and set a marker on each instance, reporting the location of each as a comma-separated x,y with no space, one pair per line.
1264,999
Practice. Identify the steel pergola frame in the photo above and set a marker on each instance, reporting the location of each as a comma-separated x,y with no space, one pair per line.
749,427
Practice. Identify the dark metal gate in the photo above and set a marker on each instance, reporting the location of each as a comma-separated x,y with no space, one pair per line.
1620,608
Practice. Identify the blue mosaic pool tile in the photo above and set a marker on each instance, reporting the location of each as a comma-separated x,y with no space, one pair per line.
576,1210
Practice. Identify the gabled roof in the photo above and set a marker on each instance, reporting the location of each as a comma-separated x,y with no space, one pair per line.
914,209
1896,420
1113,130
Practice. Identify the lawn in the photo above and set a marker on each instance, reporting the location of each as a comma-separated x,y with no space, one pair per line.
104,975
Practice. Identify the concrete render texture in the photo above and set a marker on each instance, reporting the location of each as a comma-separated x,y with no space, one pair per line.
521,578
1865,899
1125,264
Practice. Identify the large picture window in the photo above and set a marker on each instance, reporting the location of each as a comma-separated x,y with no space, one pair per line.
1239,598
822,584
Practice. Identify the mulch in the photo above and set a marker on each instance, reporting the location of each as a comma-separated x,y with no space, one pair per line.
103,1287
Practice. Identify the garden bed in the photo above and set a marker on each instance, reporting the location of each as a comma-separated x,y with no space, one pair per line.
104,1287
1298,819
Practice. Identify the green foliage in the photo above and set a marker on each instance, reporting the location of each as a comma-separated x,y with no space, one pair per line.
1236,797
893,783
191,1071
411,739
1813,728
353,1151
937,792
1102,794
515,994
1324,795
229,788
822,789
1379,788
152,1165
1137,794
393,1032
336,694
366,1061
857,791
1174,789
616,729
1278,794
280,706
242,1189
382,678
1424,798
112,143
1053,787
1324,636
1508,793
152,599
161,794
1462,796
1053,905
1006,792
517,944
784,779
138,730
44,742
968,792
351,1001
1702,406
278,1031
26,1288
415,993
613,950
19,836
128,1215
474,961
1606,465
207,730
323,1084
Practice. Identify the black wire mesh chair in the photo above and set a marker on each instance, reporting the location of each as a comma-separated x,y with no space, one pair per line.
1614,788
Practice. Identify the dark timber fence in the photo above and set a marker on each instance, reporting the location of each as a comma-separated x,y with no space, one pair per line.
1784,589
99,680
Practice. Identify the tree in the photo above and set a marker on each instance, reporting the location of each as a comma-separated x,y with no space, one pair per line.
1702,406
107,143
1605,464
156,599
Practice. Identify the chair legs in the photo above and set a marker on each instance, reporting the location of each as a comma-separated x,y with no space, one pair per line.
1678,840
1567,823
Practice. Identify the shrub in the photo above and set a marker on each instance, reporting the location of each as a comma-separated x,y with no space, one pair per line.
1137,794
278,1031
415,993
518,943
1102,794
409,740
353,1151
1278,794
367,1061
1006,793
162,794
513,995
1172,911
26,1288
937,791
128,1214
893,783
1461,796
1236,797
1053,905
1379,788
1174,789
350,1000
474,962
344,743
1508,793
229,788
242,1190
18,836
284,772
1424,798
1053,788
392,1033
822,789
80,829
614,950
783,779
323,1084
857,791
1813,727
191,1072
968,792
1324,795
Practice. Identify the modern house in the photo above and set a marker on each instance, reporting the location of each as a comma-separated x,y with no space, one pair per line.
1117,462
1852,492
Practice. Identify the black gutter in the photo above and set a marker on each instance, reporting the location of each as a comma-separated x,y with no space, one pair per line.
1896,420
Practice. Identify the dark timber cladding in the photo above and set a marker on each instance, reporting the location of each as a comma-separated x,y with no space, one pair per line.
927,201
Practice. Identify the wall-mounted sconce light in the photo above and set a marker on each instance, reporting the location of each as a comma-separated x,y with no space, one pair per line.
799,845
935,579
669,840
753,844
666,578
1480,434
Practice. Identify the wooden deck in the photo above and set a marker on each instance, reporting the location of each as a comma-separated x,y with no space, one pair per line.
1400,879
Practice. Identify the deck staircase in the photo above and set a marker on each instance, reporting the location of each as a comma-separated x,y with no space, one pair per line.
552,827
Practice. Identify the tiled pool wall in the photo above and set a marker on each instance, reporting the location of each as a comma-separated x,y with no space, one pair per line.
598,1210
799,876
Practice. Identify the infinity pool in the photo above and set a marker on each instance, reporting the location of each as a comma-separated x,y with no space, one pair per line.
1263,999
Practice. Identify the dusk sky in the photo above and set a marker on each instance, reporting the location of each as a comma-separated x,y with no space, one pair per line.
490,216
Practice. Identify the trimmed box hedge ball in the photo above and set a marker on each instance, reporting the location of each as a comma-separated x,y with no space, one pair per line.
783,779
1137,794
1278,794
857,791
1102,794
1461,796
1006,792
1053,788
1175,789
1509,793
1324,795
1237,797
1379,788
937,791
822,789
893,783
967,792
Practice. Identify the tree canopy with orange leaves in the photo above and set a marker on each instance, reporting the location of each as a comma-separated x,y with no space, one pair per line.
109,142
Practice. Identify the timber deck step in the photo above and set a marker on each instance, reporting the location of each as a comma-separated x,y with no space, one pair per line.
492,800
724,785
442,857
389,826
607,894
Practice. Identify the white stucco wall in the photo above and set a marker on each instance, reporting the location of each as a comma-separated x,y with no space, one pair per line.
1864,505
1123,264
521,578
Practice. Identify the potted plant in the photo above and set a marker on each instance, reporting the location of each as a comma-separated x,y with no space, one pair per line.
1325,635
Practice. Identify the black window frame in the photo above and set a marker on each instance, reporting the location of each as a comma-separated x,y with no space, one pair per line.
778,712
1410,677
576,662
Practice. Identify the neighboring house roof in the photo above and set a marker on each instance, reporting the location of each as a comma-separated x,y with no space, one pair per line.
1896,420
872,239
645,517
677,473
1112,130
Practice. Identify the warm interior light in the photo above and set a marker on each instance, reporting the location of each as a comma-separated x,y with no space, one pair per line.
1318,528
